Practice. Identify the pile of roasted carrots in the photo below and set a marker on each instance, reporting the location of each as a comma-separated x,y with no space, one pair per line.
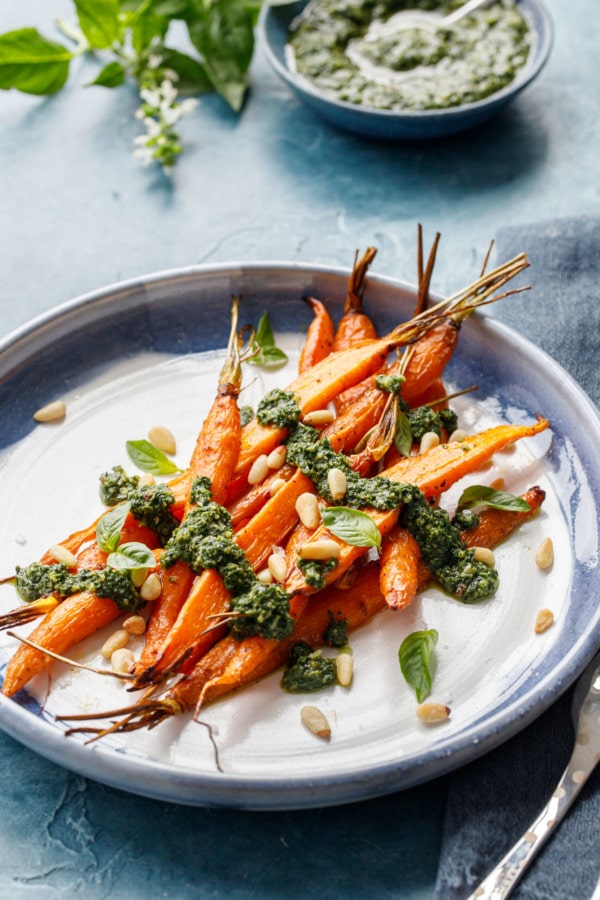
190,656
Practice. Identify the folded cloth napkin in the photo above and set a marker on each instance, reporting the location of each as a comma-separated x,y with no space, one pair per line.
491,802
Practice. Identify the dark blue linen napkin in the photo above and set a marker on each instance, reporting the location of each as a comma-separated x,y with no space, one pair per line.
491,802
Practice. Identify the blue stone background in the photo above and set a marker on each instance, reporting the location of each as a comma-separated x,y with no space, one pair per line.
76,213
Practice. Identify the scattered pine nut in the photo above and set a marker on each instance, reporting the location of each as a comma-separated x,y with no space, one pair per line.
458,435
146,480
52,412
63,555
324,549
258,470
276,457
319,417
135,624
151,588
162,438
122,661
337,482
544,620
429,440
264,576
315,721
276,485
308,510
544,556
277,567
344,664
433,713
484,555
116,641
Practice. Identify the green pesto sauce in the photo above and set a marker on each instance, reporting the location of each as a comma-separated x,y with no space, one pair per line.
390,383
279,408
308,670
315,571
246,415
336,633
204,540
424,419
116,485
151,506
394,55
38,580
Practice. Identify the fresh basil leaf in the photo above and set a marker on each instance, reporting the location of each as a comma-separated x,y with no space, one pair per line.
269,356
150,459
403,438
146,28
131,556
112,75
352,526
173,9
31,63
192,77
99,21
482,495
223,35
414,656
108,529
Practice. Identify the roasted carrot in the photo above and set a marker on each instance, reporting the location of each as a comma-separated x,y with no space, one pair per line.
319,337
399,561
355,325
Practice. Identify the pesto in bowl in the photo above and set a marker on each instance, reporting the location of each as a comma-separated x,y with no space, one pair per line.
399,55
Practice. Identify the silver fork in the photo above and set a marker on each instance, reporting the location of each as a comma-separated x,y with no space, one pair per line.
586,715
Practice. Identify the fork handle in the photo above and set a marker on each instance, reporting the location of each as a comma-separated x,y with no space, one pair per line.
503,879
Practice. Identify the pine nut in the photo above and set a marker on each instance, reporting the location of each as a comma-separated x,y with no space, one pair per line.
52,412
308,510
544,556
276,485
428,441
258,470
276,457
544,620
337,482
146,480
344,664
458,435
315,721
320,550
433,713
484,555
63,555
319,417
151,588
135,625
264,576
122,661
116,641
138,577
277,567
162,438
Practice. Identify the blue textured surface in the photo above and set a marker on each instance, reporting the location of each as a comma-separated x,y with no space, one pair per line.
77,212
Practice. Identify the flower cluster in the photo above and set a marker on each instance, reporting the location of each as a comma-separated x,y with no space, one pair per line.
160,112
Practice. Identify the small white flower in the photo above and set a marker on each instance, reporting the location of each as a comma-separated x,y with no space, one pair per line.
154,61
152,126
170,114
140,140
168,91
144,154
171,75
152,98
186,107
139,113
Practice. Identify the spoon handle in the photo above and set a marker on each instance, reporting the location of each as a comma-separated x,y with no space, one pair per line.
464,10
586,754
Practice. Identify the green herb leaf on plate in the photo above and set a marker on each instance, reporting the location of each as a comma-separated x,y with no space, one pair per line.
270,356
111,76
403,438
31,63
108,529
352,526
414,656
482,495
150,459
132,555
99,21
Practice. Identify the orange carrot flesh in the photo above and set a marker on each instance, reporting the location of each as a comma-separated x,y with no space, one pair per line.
176,585
429,357
76,618
319,337
399,562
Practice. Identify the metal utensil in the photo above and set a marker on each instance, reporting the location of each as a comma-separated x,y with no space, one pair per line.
464,10
586,754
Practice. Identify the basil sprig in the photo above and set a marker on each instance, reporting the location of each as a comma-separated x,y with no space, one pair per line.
403,437
415,658
266,353
150,459
482,495
352,526
132,555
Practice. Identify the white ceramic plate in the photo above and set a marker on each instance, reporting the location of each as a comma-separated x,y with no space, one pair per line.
148,352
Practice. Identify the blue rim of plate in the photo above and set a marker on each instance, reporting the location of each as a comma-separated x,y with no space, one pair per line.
167,309
273,25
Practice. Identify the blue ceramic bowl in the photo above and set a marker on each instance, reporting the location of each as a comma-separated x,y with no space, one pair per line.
273,27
